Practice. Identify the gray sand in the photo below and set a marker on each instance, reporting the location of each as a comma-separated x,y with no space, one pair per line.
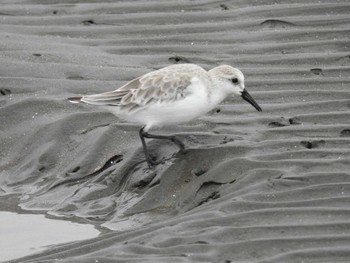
254,187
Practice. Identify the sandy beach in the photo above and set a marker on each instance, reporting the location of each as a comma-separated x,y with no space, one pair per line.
270,186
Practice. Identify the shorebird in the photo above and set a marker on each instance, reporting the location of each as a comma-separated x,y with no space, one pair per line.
174,94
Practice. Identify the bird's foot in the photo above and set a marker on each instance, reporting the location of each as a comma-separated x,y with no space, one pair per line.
179,144
183,150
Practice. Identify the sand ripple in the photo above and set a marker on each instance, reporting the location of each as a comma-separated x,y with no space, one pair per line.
254,187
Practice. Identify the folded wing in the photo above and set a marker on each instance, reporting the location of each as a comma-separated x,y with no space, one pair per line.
155,87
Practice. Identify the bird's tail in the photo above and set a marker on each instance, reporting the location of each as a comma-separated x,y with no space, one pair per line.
75,99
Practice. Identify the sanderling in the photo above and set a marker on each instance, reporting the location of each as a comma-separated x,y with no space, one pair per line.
171,95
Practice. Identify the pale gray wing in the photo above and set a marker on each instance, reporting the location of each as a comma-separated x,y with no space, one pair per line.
111,98
158,86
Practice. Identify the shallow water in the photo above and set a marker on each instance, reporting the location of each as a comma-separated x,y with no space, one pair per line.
23,234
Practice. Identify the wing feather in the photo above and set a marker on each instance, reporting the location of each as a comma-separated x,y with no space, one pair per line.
157,86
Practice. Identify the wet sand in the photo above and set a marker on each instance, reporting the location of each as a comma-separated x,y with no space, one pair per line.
254,187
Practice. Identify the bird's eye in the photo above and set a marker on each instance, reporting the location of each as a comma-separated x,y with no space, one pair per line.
234,80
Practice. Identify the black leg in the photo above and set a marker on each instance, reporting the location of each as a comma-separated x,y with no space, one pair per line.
145,150
172,138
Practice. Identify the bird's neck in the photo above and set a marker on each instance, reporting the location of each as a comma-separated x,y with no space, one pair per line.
216,96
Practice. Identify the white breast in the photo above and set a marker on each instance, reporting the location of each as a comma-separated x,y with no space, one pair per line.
194,104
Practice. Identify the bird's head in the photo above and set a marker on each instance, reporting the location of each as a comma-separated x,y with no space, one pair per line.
232,81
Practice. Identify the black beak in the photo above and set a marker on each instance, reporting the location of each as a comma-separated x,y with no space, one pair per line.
246,96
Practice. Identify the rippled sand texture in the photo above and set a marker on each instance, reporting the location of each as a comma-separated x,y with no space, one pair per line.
254,187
